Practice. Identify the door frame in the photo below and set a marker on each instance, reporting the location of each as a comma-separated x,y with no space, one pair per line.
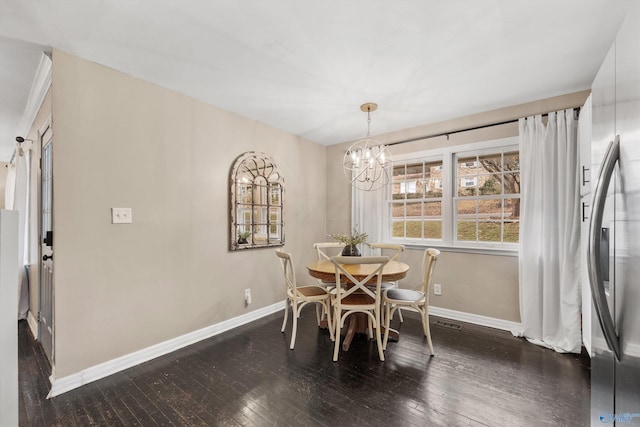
42,132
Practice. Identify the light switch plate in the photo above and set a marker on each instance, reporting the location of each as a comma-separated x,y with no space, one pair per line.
121,216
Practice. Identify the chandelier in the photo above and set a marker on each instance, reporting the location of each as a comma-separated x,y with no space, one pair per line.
367,164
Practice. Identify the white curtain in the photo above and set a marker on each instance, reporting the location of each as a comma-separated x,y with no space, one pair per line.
367,209
17,198
550,232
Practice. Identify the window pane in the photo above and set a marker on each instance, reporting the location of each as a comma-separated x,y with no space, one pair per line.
397,229
512,161
433,179
413,178
414,209
491,163
512,209
467,186
432,209
466,208
489,231
433,229
397,210
489,184
512,232
467,230
467,166
398,180
490,209
511,183
414,229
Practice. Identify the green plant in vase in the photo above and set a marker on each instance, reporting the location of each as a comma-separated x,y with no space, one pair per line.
351,241
243,236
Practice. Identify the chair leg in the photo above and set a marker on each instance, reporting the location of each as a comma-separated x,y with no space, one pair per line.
387,322
400,316
427,330
338,327
319,312
286,314
378,338
327,307
294,309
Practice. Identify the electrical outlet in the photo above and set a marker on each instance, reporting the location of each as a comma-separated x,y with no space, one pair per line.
121,216
437,289
247,296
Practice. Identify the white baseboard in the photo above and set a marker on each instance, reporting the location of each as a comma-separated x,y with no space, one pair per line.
93,373
476,319
33,324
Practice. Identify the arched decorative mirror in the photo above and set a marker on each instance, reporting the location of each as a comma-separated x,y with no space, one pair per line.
256,202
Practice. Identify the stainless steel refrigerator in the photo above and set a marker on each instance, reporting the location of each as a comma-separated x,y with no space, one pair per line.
613,255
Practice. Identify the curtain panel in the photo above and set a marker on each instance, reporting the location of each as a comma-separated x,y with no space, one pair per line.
550,232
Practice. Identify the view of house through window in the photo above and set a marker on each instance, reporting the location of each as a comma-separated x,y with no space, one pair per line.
487,197
416,209
465,197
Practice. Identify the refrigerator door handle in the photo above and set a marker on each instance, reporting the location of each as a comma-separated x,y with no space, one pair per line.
593,251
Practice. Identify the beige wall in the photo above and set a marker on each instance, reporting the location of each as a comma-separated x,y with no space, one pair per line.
122,142
472,283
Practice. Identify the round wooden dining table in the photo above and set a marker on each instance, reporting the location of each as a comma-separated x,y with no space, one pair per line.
326,271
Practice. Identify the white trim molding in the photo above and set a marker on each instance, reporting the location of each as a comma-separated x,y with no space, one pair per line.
476,319
94,373
39,88
33,324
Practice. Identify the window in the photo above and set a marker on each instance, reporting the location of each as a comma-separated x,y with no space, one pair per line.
457,196
487,201
418,213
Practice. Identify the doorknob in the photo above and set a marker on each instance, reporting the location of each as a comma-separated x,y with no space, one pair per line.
46,257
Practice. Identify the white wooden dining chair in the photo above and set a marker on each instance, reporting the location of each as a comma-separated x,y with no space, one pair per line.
357,297
414,300
396,250
299,296
326,250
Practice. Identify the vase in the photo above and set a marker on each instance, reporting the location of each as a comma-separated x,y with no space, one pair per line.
350,250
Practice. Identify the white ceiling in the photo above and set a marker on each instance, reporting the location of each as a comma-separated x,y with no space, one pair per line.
305,67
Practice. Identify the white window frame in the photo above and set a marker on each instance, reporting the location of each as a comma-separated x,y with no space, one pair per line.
447,155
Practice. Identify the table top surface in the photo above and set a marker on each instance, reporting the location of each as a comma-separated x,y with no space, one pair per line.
325,270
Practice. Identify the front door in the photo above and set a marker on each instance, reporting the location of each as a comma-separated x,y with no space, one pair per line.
45,327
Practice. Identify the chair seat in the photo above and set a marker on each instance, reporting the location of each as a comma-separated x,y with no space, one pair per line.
383,286
312,291
358,299
404,295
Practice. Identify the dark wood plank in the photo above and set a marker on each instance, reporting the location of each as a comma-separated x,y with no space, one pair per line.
249,377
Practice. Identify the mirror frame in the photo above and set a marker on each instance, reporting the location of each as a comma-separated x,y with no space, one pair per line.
256,202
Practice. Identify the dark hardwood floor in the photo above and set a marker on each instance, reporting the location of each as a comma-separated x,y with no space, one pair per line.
249,377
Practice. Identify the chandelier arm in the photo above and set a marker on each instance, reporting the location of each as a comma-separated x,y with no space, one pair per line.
359,174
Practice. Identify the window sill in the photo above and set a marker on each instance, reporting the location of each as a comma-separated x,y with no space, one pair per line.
463,249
